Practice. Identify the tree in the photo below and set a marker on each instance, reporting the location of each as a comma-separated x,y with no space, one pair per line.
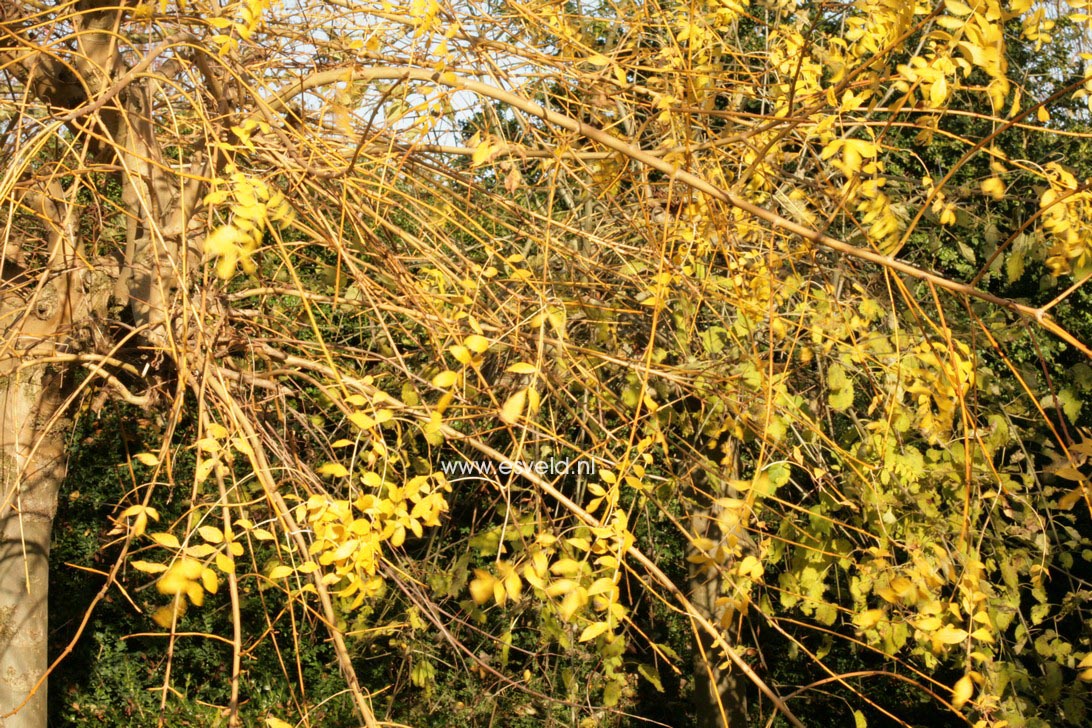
380,269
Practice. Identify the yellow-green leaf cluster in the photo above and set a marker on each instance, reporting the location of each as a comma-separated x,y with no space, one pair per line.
254,205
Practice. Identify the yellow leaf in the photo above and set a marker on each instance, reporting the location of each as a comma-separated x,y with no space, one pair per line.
938,92
242,446
948,215
512,584
522,274
346,549
215,429
751,567
483,153
955,7
164,616
210,581
225,563
870,618
172,582
253,211
189,568
166,540
149,567
204,467
565,567
140,524
603,585
950,635
139,510
593,630
362,420
477,344
272,722
928,624
211,534
994,187
215,198
1070,499
962,692
280,571
146,458
461,354
1085,665
522,368
513,408
225,267
598,60
1043,114
580,543
337,470
481,586
561,586
224,239
573,602
199,551
445,379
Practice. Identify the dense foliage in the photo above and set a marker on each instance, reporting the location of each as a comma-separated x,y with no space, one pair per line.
546,363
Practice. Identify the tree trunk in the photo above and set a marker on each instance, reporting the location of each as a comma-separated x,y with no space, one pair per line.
48,314
720,695
32,467
55,288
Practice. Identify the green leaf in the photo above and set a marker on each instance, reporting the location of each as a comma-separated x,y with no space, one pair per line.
841,388
648,672
612,693
1071,404
1014,266
713,339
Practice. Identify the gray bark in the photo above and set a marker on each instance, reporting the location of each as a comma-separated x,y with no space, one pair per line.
32,468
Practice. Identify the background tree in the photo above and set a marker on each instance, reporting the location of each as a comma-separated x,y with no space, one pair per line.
331,249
